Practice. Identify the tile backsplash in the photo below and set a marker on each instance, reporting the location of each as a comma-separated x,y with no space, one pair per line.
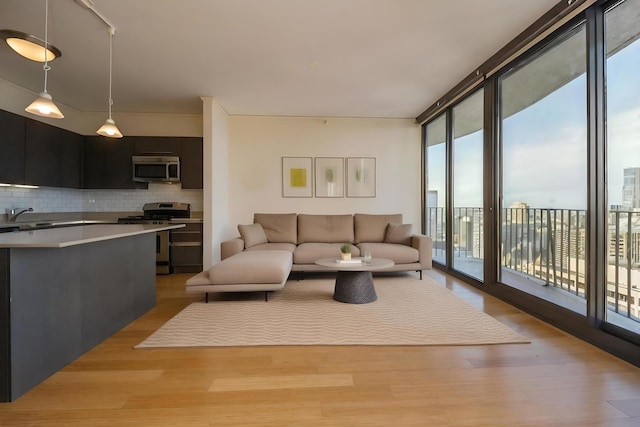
46,199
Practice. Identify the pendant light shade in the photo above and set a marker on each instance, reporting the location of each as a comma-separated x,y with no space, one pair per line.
44,105
109,128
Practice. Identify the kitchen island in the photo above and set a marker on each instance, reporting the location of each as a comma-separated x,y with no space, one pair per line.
65,290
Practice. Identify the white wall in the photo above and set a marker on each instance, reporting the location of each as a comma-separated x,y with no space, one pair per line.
215,153
257,145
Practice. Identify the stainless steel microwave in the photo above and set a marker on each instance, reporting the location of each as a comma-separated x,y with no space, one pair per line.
156,168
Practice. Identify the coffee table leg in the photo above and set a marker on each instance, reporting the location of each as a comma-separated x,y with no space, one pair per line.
355,287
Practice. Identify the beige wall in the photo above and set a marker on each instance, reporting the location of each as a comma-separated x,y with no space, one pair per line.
257,145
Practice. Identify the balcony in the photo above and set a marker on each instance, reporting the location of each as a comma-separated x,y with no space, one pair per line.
543,253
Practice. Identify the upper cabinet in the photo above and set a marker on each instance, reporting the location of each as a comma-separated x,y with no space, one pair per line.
35,153
156,146
191,163
71,159
52,156
107,163
12,129
188,149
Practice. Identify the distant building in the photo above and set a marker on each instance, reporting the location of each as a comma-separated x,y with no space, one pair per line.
631,188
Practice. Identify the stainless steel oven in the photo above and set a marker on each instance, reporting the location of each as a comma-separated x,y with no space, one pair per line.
160,213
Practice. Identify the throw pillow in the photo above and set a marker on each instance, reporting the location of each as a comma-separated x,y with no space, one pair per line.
398,233
252,234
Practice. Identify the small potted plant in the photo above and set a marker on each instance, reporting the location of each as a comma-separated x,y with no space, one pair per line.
345,252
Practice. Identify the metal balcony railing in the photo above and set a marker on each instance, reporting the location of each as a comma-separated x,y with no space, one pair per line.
549,245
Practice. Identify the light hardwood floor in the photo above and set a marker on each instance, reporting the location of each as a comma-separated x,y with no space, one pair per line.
557,380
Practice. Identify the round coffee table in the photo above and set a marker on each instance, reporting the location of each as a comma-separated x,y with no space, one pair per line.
354,281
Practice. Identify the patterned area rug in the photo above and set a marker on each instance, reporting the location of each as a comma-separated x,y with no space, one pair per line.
408,312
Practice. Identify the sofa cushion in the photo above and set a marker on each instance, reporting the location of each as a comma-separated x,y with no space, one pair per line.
325,228
398,233
399,254
372,228
252,234
309,253
279,228
289,247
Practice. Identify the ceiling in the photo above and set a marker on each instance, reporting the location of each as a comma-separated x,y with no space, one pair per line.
337,58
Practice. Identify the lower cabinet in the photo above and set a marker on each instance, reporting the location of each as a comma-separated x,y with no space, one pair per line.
185,249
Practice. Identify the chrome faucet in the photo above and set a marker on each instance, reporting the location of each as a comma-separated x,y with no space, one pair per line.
16,212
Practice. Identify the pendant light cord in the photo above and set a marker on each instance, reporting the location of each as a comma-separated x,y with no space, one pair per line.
46,66
110,67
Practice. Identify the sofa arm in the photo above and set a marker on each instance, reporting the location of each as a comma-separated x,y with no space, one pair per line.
424,245
231,247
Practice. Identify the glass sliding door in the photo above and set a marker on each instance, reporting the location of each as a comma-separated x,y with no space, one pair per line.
543,126
623,165
468,240
436,185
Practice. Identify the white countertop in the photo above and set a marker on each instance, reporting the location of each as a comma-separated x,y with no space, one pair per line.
69,236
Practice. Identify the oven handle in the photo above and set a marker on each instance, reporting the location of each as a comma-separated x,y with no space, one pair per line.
185,244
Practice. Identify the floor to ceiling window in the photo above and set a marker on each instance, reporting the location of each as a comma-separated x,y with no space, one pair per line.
623,165
467,153
562,149
543,122
436,186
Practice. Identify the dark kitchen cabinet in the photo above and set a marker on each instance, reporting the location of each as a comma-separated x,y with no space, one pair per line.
185,248
12,130
107,163
52,156
191,163
156,145
70,159
42,154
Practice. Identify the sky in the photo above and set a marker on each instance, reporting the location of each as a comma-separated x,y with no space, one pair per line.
545,145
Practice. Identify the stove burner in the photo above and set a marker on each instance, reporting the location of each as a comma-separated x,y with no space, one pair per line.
159,213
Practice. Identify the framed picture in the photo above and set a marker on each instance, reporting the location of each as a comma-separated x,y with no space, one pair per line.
296,177
361,177
329,173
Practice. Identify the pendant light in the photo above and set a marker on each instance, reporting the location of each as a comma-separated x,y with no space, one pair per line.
31,47
109,128
43,105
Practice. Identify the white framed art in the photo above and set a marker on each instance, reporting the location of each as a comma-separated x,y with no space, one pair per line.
329,172
296,177
361,177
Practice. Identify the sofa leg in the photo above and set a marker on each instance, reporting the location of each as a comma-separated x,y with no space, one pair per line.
206,297
420,271
266,296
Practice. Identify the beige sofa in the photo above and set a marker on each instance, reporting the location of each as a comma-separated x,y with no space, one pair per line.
312,237
268,250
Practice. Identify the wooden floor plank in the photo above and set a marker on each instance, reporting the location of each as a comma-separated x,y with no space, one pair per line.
556,381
